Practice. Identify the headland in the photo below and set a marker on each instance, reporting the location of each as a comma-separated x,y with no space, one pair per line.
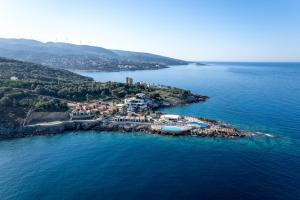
38,100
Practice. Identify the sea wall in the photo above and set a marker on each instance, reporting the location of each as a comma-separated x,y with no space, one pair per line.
44,129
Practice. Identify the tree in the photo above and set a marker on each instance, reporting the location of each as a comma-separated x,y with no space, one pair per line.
5,101
154,95
63,92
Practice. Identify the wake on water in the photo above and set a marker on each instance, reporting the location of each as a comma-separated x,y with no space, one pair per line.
260,134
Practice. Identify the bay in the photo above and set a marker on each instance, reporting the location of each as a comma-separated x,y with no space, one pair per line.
259,97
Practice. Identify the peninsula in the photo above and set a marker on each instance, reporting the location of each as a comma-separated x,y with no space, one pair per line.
37,100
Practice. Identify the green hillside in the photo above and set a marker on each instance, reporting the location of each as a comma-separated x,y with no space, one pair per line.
26,86
84,57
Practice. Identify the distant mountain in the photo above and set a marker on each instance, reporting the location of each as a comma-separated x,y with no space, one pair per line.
84,57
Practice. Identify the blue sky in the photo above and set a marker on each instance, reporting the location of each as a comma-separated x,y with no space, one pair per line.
217,30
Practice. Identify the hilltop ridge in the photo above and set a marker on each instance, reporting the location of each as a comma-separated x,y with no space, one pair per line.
82,57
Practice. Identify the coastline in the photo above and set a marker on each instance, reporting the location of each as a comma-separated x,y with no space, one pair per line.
214,129
134,69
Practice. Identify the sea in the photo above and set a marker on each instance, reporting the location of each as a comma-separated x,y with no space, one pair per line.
263,98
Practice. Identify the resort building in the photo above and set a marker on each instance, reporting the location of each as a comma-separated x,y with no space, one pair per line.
129,81
135,104
170,117
81,114
140,95
140,83
131,119
122,108
14,78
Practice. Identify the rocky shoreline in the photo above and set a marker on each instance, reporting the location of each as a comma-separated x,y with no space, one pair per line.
46,127
49,128
215,129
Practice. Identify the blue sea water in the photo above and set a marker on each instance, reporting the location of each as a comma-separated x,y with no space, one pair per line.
259,97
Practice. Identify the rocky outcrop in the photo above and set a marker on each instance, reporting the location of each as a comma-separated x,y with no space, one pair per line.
172,101
219,131
215,129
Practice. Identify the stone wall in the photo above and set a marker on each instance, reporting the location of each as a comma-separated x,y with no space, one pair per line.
36,117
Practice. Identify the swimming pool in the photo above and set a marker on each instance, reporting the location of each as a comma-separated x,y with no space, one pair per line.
173,128
198,124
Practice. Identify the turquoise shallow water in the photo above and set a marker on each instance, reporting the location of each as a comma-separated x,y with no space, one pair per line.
90,165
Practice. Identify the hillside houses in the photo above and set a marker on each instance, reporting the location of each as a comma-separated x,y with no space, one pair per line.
89,110
136,104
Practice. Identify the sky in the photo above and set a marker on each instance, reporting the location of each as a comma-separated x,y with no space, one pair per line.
202,30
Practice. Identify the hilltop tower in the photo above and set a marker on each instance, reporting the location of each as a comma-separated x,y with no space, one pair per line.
129,81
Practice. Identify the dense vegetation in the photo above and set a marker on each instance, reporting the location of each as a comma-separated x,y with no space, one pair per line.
26,86
70,56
